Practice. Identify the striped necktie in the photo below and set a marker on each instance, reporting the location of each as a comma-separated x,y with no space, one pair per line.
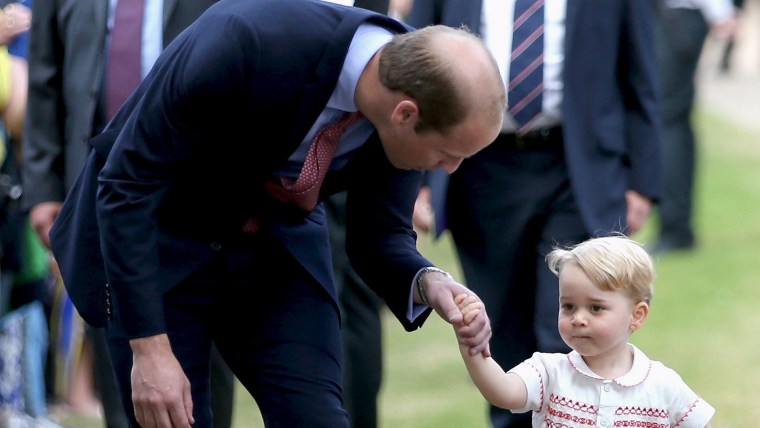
526,73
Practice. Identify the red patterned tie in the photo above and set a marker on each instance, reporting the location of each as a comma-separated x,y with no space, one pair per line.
124,57
304,191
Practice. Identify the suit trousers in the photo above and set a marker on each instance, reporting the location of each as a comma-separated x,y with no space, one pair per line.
508,206
275,326
681,36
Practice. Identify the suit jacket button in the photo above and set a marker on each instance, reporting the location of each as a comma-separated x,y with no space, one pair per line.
216,246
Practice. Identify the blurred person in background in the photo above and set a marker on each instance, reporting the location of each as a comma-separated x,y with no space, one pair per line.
683,26
24,268
726,55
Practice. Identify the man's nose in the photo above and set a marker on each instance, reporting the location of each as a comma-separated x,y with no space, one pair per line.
451,165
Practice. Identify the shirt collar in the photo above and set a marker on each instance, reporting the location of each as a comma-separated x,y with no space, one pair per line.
367,40
640,369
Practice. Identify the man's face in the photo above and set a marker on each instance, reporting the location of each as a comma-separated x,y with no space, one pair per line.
429,150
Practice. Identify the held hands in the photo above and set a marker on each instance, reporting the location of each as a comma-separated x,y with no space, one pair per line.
160,390
473,331
470,307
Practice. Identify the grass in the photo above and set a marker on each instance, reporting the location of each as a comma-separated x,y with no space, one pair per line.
703,323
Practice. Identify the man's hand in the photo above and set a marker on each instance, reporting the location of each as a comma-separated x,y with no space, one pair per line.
441,291
639,207
41,218
423,216
160,390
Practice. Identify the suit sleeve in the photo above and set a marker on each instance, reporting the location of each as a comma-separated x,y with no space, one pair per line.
43,172
641,87
193,93
380,240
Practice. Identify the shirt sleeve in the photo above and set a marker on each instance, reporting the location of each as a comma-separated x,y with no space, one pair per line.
687,409
533,372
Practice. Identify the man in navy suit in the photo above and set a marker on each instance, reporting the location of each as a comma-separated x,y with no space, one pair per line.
68,53
588,165
176,201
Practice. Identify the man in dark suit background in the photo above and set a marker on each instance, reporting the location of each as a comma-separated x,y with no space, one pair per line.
200,240
66,106
588,165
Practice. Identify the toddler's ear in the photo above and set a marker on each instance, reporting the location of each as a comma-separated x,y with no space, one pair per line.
639,315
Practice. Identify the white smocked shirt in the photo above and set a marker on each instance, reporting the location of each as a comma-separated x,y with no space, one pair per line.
564,392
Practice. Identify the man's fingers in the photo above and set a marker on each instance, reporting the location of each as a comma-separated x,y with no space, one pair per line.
188,398
454,315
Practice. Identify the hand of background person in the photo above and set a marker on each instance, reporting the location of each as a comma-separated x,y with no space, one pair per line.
725,28
41,218
422,218
15,18
399,9
441,291
639,207
160,389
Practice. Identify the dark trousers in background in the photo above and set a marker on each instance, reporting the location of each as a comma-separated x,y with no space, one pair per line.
361,326
507,208
681,36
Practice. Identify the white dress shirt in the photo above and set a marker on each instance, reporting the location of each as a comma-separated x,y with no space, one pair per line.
713,10
496,30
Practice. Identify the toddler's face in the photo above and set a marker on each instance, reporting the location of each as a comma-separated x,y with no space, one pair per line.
592,321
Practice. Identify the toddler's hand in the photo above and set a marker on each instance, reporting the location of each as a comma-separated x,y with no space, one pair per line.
469,305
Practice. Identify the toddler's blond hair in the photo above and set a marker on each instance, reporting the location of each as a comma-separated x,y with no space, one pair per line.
612,263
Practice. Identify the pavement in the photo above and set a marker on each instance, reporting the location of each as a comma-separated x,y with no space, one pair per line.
734,96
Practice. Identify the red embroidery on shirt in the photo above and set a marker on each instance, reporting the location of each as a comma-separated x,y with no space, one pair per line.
563,412
680,421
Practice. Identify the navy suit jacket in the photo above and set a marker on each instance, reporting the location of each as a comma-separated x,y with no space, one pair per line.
183,165
610,102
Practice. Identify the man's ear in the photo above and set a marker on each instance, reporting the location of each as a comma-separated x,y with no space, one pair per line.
639,315
405,113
